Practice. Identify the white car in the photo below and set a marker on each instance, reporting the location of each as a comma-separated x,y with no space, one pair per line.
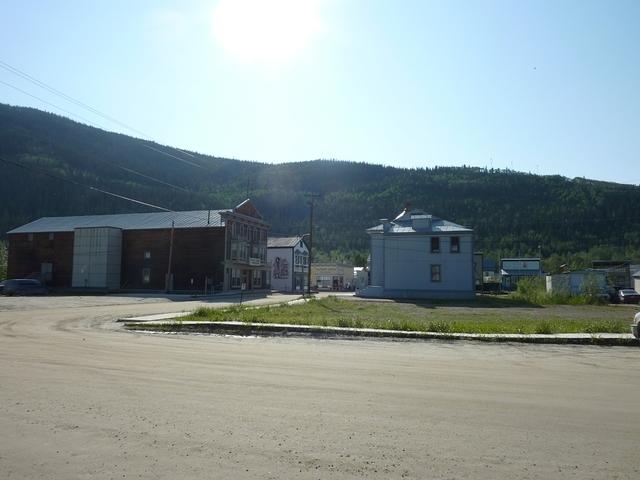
635,327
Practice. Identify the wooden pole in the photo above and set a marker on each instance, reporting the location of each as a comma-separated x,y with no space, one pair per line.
168,281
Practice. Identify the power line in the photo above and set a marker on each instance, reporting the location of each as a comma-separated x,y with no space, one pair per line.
126,169
78,184
75,101
69,98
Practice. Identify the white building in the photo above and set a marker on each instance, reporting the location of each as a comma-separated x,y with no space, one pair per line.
575,283
417,255
288,259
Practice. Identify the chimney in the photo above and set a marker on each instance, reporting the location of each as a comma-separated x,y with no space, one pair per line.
385,224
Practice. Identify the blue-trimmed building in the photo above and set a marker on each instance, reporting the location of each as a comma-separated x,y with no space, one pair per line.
418,255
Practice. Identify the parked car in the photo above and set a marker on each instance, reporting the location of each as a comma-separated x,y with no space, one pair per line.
635,327
627,295
23,286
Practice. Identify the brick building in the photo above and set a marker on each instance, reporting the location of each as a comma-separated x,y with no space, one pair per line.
202,250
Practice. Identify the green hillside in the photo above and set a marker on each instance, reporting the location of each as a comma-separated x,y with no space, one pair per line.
512,212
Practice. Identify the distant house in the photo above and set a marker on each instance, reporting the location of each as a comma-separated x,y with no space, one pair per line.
202,250
288,259
417,255
514,269
360,277
335,276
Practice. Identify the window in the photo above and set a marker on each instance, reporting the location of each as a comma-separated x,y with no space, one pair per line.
257,278
30,237
146,275
236,281
147,254
435,244
435,273
455,244
51,236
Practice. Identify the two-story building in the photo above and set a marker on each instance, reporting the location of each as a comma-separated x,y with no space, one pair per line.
197,251
417,255
288,259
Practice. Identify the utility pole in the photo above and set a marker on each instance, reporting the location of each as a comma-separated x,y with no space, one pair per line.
168,282
312,197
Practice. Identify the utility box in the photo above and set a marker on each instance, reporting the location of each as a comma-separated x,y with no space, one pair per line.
97,256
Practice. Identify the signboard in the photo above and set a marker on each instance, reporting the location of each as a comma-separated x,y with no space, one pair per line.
254,262
524,264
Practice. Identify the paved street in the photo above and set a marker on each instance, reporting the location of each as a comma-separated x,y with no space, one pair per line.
80,398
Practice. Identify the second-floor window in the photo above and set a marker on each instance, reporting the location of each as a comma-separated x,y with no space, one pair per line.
455,244
435,244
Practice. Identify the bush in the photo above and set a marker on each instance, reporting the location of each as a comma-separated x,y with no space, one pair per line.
534,290
544,327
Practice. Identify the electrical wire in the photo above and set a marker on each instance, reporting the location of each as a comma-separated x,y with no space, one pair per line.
16,71
126,169
79,184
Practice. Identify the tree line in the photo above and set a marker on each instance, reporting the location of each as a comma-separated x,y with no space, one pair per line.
512,213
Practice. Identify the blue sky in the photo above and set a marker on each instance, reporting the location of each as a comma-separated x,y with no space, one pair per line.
550,87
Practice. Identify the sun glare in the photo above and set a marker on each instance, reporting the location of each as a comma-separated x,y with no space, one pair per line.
266,31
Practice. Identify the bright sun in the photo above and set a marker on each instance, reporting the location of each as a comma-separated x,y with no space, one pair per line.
266,31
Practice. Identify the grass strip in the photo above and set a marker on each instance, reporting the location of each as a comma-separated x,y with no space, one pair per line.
426,317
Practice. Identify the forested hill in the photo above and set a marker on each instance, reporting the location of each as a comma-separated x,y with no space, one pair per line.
512,212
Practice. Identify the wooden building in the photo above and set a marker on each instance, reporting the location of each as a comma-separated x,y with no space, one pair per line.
202,250
288,260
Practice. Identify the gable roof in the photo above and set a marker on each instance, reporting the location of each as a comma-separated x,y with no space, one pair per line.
126,221
283,242
418,221
247,208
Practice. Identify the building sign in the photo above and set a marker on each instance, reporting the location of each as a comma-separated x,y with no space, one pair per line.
531,264
280,268
254,262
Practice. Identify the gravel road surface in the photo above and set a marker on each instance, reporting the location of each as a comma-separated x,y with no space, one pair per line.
80,398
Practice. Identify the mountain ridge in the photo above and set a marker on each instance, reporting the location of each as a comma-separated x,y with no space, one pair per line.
511,212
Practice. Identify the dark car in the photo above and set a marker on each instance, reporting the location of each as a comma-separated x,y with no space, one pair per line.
627,295
23,286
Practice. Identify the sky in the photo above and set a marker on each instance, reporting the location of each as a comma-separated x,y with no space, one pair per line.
547,87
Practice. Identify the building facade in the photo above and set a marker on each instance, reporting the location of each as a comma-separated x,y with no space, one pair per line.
178,251
334,276
417,255
288,260
514,269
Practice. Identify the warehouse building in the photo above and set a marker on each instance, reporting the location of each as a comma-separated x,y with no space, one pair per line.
202,250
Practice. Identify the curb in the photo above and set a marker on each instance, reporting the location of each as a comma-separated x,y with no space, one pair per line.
273,329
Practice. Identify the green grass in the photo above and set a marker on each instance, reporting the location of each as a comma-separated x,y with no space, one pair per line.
485,315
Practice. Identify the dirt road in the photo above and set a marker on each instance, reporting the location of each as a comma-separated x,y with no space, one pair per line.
79,398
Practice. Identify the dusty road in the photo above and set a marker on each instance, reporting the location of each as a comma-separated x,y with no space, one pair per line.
79,398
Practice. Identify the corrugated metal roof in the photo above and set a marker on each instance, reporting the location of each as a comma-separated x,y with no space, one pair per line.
283,242
126,221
